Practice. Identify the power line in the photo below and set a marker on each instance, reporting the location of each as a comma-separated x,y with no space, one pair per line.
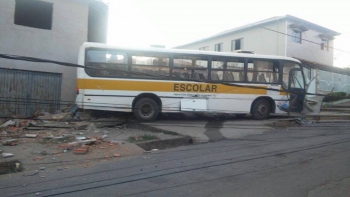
303,39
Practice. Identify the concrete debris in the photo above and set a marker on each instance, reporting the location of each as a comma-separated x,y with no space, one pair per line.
77,133
31,135
8,123
11,142
42,168
303,121
82,125
48,136
82,116
32,173
104,136
80,138
61,117
83,142
7,155
91,127
16,122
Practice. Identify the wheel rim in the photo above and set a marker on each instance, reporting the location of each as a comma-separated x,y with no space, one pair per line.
146,110
262,110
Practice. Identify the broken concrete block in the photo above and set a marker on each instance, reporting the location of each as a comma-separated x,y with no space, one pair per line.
82,125
82,142
31,135
11,142
81,138
7,155
91,127
16,122
8,123
81,150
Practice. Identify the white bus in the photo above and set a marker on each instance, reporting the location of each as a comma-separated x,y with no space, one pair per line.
151,81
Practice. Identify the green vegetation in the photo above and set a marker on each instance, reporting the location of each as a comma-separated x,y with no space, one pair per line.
142,138
336,96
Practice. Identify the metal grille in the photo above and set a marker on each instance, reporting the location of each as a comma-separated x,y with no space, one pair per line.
330,80
25,92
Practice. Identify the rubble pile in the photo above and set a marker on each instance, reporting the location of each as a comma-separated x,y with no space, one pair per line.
61,129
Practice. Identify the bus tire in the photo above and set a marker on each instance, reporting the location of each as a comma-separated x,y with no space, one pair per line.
146,109
261,109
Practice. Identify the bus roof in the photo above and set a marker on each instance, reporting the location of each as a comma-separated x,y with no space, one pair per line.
184,51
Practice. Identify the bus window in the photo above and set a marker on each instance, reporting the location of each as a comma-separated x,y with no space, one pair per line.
227,70
262,71
100,63
150,66
188,67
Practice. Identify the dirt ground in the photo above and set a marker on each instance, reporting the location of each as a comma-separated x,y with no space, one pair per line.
44,151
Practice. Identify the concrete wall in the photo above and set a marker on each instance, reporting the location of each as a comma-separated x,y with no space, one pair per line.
98,22
61,43
257,39
307,50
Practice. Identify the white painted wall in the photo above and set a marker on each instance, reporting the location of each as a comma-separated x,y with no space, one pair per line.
256,39
307,50
61,43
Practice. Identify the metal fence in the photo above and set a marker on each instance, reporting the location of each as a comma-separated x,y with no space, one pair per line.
24,92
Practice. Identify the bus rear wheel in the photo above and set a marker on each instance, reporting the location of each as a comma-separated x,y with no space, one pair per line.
146,109
261,109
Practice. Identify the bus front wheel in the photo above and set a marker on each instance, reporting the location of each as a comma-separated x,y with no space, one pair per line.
261,109
146,109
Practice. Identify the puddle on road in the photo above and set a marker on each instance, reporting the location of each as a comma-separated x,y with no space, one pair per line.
212,130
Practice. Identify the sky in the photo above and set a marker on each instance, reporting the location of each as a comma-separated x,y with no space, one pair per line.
141,23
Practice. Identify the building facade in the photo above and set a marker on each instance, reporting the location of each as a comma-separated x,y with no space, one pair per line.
46,29
284,36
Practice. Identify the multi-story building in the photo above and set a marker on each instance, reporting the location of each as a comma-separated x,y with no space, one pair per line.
285,36
46,29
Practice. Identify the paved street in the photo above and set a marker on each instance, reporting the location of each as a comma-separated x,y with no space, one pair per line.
300,161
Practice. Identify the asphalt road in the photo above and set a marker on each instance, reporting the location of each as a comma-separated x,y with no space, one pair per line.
301,161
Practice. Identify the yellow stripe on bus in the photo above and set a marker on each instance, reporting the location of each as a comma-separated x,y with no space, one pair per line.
165,86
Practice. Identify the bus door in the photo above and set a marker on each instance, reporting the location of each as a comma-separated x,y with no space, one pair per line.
297,90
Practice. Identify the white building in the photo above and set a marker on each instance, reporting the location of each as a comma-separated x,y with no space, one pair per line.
284,36
47,29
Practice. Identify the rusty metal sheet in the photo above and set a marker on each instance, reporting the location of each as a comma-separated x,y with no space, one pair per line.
24,92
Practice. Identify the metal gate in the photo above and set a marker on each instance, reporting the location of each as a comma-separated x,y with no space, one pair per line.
25,92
